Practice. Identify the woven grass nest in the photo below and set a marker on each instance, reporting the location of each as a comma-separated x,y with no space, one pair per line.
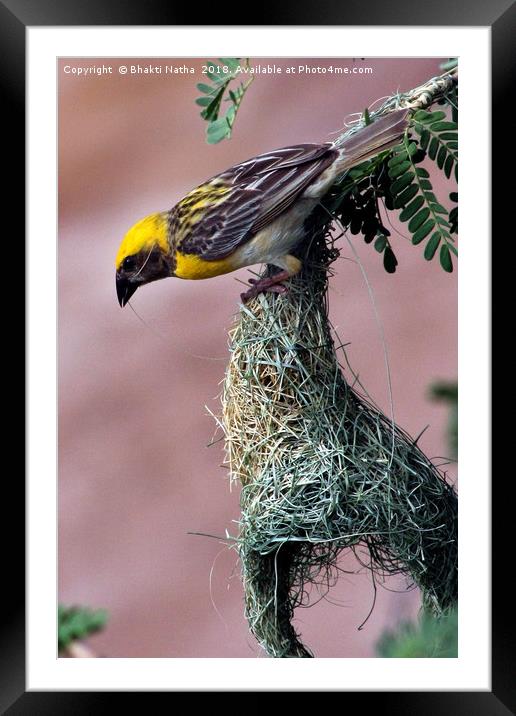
321,468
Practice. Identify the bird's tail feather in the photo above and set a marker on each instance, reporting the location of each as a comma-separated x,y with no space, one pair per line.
384,133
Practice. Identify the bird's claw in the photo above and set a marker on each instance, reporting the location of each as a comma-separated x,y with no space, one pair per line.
262,286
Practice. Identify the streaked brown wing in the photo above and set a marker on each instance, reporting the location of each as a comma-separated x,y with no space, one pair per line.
262,189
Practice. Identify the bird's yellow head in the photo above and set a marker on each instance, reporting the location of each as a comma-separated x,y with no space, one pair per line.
143,256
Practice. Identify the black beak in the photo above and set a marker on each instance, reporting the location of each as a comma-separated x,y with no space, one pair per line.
124,289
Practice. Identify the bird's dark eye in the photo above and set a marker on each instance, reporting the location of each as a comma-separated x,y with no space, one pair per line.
129,264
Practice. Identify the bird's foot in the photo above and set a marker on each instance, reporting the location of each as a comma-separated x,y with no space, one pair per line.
266,285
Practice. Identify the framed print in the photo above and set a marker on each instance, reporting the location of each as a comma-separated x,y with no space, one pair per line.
146,518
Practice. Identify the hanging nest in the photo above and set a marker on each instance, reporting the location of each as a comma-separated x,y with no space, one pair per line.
321,468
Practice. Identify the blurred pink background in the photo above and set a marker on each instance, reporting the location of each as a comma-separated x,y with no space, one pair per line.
135,473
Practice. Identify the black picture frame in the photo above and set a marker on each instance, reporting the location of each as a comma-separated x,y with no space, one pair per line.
15,17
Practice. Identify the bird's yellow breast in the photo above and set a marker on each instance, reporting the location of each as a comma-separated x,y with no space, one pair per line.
191,266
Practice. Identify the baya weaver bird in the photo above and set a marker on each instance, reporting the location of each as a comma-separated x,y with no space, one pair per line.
252,213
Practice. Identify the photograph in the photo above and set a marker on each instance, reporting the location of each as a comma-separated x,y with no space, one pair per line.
257,457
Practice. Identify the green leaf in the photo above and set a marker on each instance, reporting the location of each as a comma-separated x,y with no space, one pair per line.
418,156
402,182
438,208
453,219
423,231
449,135
423,116
429,638
441,156
454,196
370,225
445,258
359,171
442,143
216,138
206,89
230,114
388,200
397,158
216,77
418,219
433,147
441,126
422,172
367,117
399,169
217,130
448,165
211,112
217,125
443,222
219,76
425,138
432,245
77,622
356,224
389,260
405,196
220,127
411,209
232,62
380,243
